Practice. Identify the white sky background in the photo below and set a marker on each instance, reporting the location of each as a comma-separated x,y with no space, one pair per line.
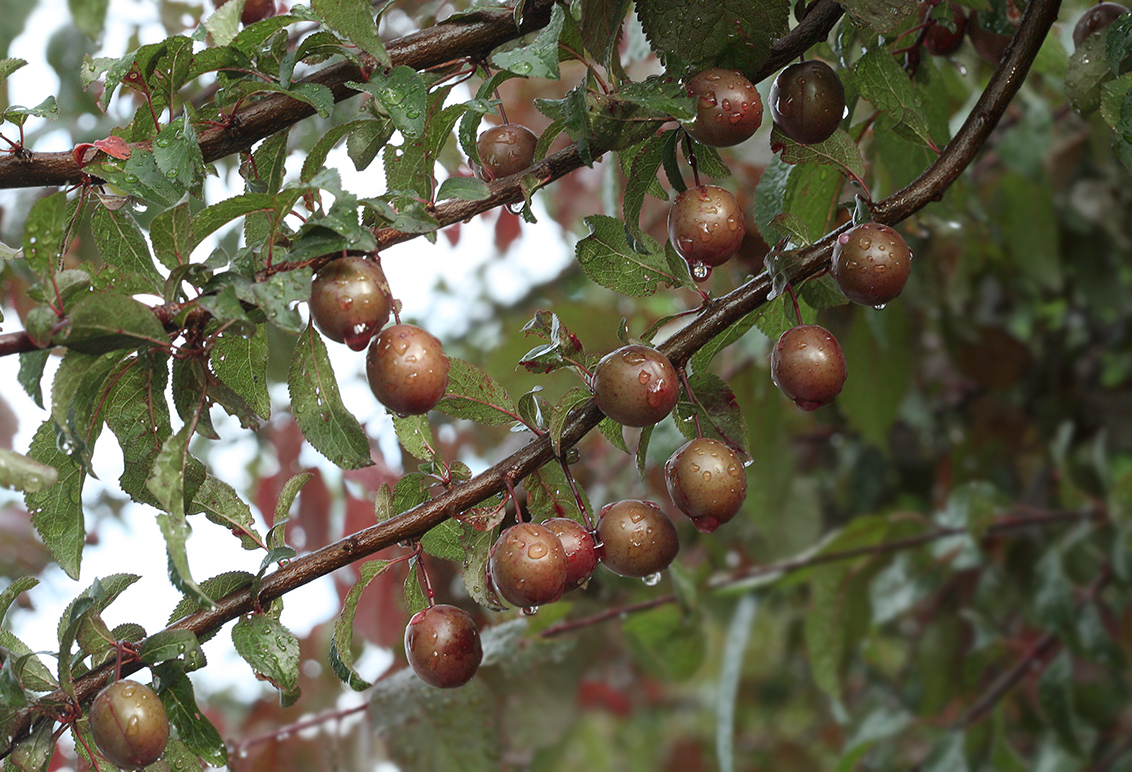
134,544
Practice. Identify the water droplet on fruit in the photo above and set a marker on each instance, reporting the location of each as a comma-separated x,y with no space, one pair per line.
707,476
700,272
652,580
537,550
530,611
843,239
865,243
880,306
644,377
133,725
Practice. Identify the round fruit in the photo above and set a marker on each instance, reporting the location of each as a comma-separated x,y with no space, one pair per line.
807,101
505,150
443,646
706,482
528,565
580,549
705,225
990,46
129,725
254,10
407,369
871,263
940,40
808,366
637,538
350,301
728,107
635,385
1096,18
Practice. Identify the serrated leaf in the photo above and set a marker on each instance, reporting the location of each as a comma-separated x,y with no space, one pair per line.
883,82
177,153
443,541
477,546
540,58
241,363
607,258
57,511
403,96
839,151
317,406
884,16
614,432
172,234
341,652
193,727
21,473
640,179
31,373
272,651
549,494
700,33
473,395
222,505
43,232
215,587
716,405
415,434
138,414
353,19
666,641
463,188
9,66
1055,695
105,321
825,627
601,25
562,409
172,644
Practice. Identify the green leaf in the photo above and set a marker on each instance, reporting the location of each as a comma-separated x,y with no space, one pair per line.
1118,45
839,151
121,243
731,674
825,627
105,321
241,364
415,434
878,349
884,16
716,406
287,498
222,505
640,178
477,546
464,188
215,587
57,511
367,140
193,727
138,414
317,406
277,296
614,432
473,395
540,58
172,644
25,474
177,153
31,373
172,234
1087,73
341,652
353,19
601,25
9,66
402,95
700,33
273,652
666,641
43,232
570,400
886,85
607,258
549,494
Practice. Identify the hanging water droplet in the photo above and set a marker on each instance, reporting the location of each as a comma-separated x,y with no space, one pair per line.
652,580
530,611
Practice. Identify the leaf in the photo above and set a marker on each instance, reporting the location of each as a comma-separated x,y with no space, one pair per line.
317,406
222,505
601,25
540,58
839,151
415,434
89,16
666,641
717,406
402,95
57,511
25,474
731,674
43,232
549,494
570,400
640,178
341,652
880,373
1055,695
825,627
105,321
172,644
137,413
883,82
353,19
241,364
474,396
272,651
193,727
177,153
172,234
9,66
614,432
477,546
31,373
607,258
701,33
443,541
215,587
885,16
463,188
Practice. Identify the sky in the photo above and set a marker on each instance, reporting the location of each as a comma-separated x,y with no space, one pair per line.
133,542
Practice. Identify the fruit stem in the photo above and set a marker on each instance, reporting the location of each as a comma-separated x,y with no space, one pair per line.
422,574
692,398
794,300
690,154
509,481
577,494
502,112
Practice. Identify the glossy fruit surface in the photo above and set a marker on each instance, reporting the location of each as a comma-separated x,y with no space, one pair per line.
635,385
707,482
808,366
807,101
129,724
728,107
871,263
939,39
254,10
407,369
580,549
637,538
350,301
505,150
1096,18
528,565
443,646
706,227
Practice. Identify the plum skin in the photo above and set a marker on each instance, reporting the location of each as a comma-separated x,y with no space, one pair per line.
706,482
807,101
637,538
728,107
407,369
129,724
871,264
350,301
706,225
635,385
505,150
580,549
528,565
443,646
808,366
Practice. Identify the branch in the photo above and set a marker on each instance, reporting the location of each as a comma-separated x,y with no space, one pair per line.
716,317
470,37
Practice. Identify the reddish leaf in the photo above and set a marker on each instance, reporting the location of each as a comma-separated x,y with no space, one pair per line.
507,229
114,146
309,530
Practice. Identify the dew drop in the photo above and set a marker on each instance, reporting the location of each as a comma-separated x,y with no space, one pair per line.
652,580
880,306
537,550
530,611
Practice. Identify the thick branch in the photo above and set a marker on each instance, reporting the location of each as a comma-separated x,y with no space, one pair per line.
470,37
716,317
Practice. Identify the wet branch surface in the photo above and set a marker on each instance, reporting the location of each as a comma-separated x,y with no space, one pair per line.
715,317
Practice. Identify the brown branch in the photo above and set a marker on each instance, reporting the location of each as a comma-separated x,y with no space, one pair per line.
716,317
470,37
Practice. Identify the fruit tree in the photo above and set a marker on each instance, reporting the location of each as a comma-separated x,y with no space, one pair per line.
816,452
